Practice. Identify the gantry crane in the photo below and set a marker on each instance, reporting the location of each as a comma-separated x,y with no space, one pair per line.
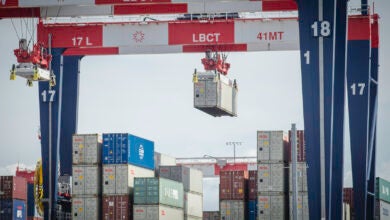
320,33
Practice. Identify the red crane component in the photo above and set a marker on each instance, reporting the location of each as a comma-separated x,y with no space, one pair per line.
216,63
38,56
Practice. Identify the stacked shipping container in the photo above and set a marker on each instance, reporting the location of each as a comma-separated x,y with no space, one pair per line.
124,157
87,172
13,197
192,180
271,176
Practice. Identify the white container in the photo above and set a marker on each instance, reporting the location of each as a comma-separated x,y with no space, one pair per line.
271,206
270,146
119,179
192,179
271,177
86,179
301,177
189,217
193,204
163,160
85,208
157,212
382,210
346,212
86,149
302,206
232,209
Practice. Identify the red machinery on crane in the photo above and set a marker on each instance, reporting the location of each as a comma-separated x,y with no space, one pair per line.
215,62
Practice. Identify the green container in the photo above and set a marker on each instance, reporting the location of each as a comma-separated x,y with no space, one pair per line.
153,190
382,191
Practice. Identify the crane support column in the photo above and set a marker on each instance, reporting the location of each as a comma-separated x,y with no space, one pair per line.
358,86
58,118
322,27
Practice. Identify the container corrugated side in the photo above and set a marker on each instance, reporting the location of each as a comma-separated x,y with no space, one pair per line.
348,196
192,179
13,187
193,204
301,177
301,147
270,146
163,160
86,148
382,210
252,209
117,207
157,212
211,215
87,180
271,177
382,189
154,190
233,209
347,211
252,184
86,207
302,206
271,206
233,184
119,179
14,209
128,149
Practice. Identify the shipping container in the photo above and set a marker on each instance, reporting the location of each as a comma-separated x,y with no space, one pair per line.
301,147
152,190
271,177
163,160
193,205
128,149
157,212
271,206
119,179
87,148
117,207
252,209
270,146
346,212
382,210
211,215
252,184
13,187
192,179
302,206
382,189
215,94
13,209
233,209
232,185
87,179
86,207
301,177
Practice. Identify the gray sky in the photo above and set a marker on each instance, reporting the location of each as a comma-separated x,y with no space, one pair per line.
151,96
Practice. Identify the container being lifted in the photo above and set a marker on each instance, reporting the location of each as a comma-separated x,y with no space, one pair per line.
214,93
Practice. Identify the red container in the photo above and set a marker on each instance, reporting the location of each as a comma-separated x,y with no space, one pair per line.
233,185
252,185
301,147
13,187
117,207
348,196
27,174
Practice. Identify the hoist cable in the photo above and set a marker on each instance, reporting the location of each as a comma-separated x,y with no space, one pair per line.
16,32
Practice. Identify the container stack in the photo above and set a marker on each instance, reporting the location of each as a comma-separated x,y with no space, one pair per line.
13,197
157,199
232,195
162,160
382,194
252,194
302,196
87,172
272,187
211,215
124,157
192,180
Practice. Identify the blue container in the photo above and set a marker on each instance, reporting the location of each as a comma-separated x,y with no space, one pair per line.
128,149
252,209
13,209
30,200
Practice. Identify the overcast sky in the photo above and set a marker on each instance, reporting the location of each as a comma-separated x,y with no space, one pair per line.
152,96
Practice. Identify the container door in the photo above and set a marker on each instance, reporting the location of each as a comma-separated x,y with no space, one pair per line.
109,179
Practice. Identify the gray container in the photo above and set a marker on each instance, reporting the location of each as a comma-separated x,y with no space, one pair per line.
271,206
152,190
163,160
302,206
193,205
86,179
271,177
87,149
119,179
215,94
232,209
301,177
86,208
157,212
382,210
270,146
192,179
